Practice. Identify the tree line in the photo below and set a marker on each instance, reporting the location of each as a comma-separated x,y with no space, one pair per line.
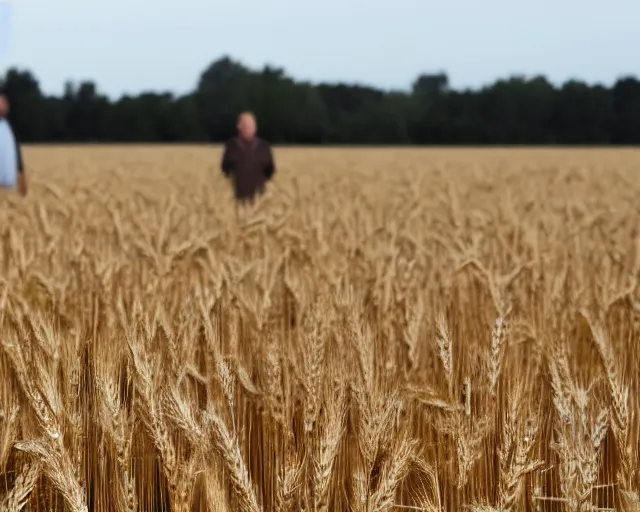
516,110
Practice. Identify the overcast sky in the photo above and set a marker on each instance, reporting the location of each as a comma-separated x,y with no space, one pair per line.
133,45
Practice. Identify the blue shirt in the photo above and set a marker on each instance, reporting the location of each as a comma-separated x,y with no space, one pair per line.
10,156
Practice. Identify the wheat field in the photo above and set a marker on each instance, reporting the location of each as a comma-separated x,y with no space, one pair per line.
388,330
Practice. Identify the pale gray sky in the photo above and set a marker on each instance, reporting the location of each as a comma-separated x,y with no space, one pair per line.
134,45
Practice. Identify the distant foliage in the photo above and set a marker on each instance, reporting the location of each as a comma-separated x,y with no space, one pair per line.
512,111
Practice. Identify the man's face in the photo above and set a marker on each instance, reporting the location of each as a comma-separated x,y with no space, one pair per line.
4,106
247,126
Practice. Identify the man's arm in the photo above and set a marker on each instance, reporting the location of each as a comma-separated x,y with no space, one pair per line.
227,163
22,178
22,184
269,166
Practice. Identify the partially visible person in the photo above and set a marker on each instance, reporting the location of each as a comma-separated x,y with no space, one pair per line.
247,161
12,172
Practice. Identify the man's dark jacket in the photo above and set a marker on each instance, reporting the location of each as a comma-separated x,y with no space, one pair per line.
249,164
18,149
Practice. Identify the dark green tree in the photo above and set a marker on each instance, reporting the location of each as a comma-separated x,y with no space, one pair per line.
515,110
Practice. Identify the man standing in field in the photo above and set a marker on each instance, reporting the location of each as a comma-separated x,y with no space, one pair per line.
10,153
247,161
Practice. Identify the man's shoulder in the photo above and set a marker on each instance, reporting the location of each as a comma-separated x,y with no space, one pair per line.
263,143
5,128
235,142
